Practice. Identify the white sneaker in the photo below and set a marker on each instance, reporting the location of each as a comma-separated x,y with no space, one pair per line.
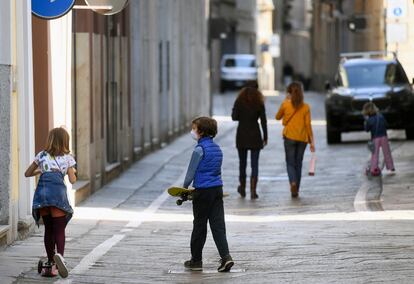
61,266
390,172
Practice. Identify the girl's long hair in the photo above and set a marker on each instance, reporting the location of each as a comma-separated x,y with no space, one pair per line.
295,90
250,97
57,142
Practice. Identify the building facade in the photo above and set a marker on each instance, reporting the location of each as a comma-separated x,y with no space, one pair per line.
265,34
16,120
293,24
169,89
122,85
400,33
238,36
125,83
331,34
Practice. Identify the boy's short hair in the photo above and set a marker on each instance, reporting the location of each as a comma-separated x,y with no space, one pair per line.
206,126
369,109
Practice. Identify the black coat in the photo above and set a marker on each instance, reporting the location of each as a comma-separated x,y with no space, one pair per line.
248,132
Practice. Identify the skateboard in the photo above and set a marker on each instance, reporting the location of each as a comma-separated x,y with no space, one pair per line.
45,269
184,194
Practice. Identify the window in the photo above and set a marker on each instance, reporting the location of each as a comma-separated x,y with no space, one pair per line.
365,75
239,62
375,74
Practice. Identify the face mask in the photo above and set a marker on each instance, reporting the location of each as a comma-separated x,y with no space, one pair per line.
194,135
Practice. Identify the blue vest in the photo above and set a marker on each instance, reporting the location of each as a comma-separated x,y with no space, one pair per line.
208,173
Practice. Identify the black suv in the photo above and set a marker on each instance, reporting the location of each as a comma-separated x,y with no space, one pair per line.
364,77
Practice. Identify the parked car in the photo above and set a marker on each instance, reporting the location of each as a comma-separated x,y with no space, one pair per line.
364,77
236,70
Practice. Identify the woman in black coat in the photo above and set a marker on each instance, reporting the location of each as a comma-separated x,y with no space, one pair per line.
248,108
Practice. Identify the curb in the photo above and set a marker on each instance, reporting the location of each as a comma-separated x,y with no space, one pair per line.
368,197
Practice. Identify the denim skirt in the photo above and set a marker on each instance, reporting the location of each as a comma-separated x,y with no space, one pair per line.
51,191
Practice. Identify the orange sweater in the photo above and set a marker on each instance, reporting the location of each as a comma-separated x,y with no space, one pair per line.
299,126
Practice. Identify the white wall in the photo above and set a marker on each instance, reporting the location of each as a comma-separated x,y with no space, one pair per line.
24,86
405,49
60,46
16,120
60,52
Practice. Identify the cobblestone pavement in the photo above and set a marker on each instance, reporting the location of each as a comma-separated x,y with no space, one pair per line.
131,231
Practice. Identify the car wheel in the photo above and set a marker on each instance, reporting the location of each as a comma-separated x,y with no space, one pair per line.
222,87
409,133
333,136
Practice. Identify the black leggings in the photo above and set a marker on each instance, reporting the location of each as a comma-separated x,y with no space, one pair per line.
254,161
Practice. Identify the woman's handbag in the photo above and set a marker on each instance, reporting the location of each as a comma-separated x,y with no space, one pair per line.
312,165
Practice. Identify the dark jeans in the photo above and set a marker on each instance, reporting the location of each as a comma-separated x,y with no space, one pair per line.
254,161
208,206
294,151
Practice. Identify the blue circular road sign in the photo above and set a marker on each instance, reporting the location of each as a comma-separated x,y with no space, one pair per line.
397,11
51,9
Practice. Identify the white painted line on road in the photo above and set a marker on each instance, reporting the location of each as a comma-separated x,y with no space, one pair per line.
275,178
270,93
365,202
126,230
147,213
281,178
209,271
93,256
90,259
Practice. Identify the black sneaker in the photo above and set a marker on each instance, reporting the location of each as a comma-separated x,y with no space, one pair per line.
194,265
226,264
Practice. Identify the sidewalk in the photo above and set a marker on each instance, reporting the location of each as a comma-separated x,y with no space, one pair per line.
22,256
390,191
398,189
131,231
20,259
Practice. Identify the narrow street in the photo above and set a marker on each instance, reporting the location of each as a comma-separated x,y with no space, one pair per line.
131,231
100,95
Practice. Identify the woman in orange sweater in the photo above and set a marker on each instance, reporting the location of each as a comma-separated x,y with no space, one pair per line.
297,133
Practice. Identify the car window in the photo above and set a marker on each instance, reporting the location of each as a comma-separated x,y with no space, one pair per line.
366,75
395,75
239,62
373,75
390,74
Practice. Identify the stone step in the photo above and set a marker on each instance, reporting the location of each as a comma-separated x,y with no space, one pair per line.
3,234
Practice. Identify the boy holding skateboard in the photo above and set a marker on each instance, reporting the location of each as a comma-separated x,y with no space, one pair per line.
204,171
